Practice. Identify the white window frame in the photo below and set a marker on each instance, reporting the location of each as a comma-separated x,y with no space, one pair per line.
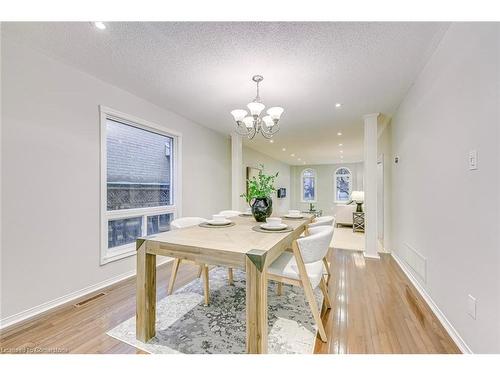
302,186
335,175
120,252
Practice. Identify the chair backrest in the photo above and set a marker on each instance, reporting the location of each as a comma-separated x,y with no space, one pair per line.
185,222
323,220
230,213
315,246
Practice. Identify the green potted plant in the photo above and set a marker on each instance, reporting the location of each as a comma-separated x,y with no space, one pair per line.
259,193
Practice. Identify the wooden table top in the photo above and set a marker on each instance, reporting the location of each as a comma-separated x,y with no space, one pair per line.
235,241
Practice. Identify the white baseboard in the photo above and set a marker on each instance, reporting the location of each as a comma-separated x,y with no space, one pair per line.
371,256
455,336
44,307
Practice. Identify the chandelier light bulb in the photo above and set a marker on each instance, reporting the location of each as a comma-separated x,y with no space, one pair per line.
255,108
275,112
268,121
248,121
239,114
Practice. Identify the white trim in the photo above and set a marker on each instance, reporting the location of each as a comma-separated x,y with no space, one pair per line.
44,307
371,256
120,252
455,336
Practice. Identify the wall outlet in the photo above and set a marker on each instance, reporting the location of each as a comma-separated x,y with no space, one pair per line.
472,160
471,307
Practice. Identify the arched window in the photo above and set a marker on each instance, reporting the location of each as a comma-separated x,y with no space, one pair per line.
343,184
308,185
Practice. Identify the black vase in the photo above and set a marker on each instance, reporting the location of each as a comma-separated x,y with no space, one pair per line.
262,208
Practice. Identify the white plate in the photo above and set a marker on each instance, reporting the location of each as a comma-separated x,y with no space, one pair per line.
294,217
266,226
218,223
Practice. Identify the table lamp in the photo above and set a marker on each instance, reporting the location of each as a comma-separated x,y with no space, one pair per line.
359,198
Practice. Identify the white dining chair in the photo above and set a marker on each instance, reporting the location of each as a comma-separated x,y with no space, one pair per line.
323,220
185,222
230,213
304,267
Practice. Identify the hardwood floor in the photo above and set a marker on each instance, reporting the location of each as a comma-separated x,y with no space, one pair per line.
375,310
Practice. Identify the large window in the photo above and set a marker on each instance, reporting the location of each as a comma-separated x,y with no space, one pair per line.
343,184
308,185
139,182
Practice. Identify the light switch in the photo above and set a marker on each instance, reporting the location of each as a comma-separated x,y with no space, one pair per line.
472,160
471,307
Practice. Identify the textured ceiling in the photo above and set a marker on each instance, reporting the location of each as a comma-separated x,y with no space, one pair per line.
203,70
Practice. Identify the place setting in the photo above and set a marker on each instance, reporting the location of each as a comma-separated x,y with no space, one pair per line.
247,213
293,215
217,221
273,225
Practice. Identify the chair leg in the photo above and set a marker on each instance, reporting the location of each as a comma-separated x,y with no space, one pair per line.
308,291
200,270
230,276
173,275
206,288
324,289
327,267
279,290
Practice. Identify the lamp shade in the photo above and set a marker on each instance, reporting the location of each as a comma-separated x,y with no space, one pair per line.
358,196
248,121
268,121
239,114
255,108
275,112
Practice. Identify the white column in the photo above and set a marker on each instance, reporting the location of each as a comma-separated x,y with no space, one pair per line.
236,170
370,184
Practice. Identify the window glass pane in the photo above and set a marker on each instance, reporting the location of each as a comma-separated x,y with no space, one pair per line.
139,167
343,188
124,231
159,223
309,188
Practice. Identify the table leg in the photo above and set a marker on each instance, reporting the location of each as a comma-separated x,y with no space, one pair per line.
146,293
256,301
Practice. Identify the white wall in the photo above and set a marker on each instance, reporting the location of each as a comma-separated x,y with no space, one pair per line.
324,184
50,172
384,152
252,158
445,211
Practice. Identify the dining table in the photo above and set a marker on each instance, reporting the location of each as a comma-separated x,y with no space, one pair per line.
241,246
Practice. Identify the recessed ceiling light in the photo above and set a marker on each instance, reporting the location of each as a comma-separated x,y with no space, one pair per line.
304,163
338,105
283,149
100,25
271,141
341,151
292,155
339,133
299,159
341,157
341,144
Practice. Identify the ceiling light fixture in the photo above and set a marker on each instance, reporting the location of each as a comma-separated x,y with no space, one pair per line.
283,149
341,144
253,124
271,141
292,155
339,133
100,25
341,151
338,105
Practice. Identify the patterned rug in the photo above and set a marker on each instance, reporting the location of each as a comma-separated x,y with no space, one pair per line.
185,325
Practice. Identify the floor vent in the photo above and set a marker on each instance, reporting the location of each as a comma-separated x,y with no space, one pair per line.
84,302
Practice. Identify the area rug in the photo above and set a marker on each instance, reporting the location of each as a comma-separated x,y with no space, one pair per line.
185,325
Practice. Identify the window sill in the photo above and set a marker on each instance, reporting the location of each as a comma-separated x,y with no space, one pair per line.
124,251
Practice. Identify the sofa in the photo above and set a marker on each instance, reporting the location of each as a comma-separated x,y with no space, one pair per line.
343,213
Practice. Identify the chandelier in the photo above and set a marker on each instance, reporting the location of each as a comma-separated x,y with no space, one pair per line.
250,125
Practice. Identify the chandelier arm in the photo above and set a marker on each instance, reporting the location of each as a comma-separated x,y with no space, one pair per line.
239,130
251,134
270,130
